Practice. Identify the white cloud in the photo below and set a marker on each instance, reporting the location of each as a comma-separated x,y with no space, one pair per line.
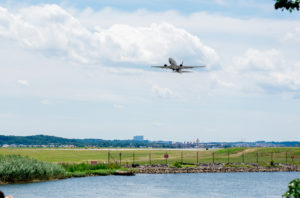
267,70
139,38
55,32
293,35
260,60
23,82
46,102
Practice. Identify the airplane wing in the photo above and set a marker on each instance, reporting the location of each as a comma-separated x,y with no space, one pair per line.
190,67
160,66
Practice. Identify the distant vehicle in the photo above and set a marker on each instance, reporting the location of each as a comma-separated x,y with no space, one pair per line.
177,68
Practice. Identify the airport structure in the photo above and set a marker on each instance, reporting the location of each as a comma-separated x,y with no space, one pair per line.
138,138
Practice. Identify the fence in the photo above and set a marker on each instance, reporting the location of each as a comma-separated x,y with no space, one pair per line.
198,157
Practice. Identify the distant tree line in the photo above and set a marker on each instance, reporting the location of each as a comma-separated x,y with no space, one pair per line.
58,141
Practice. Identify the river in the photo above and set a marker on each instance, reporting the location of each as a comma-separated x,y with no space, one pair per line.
221,185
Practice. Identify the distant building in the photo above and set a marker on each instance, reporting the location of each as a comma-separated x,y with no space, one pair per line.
138,138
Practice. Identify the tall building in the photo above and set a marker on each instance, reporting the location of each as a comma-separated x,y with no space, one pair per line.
138,138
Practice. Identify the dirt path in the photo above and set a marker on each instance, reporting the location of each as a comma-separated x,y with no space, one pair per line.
250,150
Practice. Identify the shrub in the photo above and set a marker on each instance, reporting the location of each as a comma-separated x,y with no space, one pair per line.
177,165
294,189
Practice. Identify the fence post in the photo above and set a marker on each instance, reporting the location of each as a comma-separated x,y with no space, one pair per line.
197,157
228,157
286,157
133,160
243,157
166,159
181,157
108,157
120,158
150,158
213,157
272,156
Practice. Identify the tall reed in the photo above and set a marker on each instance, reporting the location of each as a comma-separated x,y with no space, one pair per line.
15,168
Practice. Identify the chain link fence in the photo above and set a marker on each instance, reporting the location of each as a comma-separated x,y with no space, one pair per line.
199,157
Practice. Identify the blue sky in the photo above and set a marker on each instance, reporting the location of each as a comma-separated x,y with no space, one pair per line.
81,69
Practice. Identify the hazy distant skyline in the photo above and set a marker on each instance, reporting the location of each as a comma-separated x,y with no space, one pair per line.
81,69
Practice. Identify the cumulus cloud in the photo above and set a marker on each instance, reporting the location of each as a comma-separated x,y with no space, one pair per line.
55,32
162,91
260,60
267,70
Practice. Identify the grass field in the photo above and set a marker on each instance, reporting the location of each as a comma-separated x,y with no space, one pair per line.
233,155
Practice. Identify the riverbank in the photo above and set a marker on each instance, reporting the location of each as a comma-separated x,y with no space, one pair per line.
215,168
167,169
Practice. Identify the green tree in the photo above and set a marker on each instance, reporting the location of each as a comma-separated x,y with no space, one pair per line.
287,4
294,189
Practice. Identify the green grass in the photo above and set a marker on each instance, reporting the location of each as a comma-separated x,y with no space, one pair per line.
236,155
230,150
83,167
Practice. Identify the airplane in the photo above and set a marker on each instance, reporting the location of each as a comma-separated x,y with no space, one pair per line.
177,68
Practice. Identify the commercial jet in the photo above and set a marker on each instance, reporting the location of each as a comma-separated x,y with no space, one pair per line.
177,68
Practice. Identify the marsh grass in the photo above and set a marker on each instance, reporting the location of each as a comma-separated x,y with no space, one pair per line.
15,168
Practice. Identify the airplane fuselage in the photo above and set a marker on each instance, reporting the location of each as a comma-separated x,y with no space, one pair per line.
173,65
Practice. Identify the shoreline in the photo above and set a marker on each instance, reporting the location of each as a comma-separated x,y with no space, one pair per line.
215,168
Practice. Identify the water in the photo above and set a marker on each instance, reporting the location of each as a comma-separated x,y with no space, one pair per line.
206,185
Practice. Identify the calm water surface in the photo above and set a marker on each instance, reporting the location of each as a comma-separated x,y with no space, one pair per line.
173,185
